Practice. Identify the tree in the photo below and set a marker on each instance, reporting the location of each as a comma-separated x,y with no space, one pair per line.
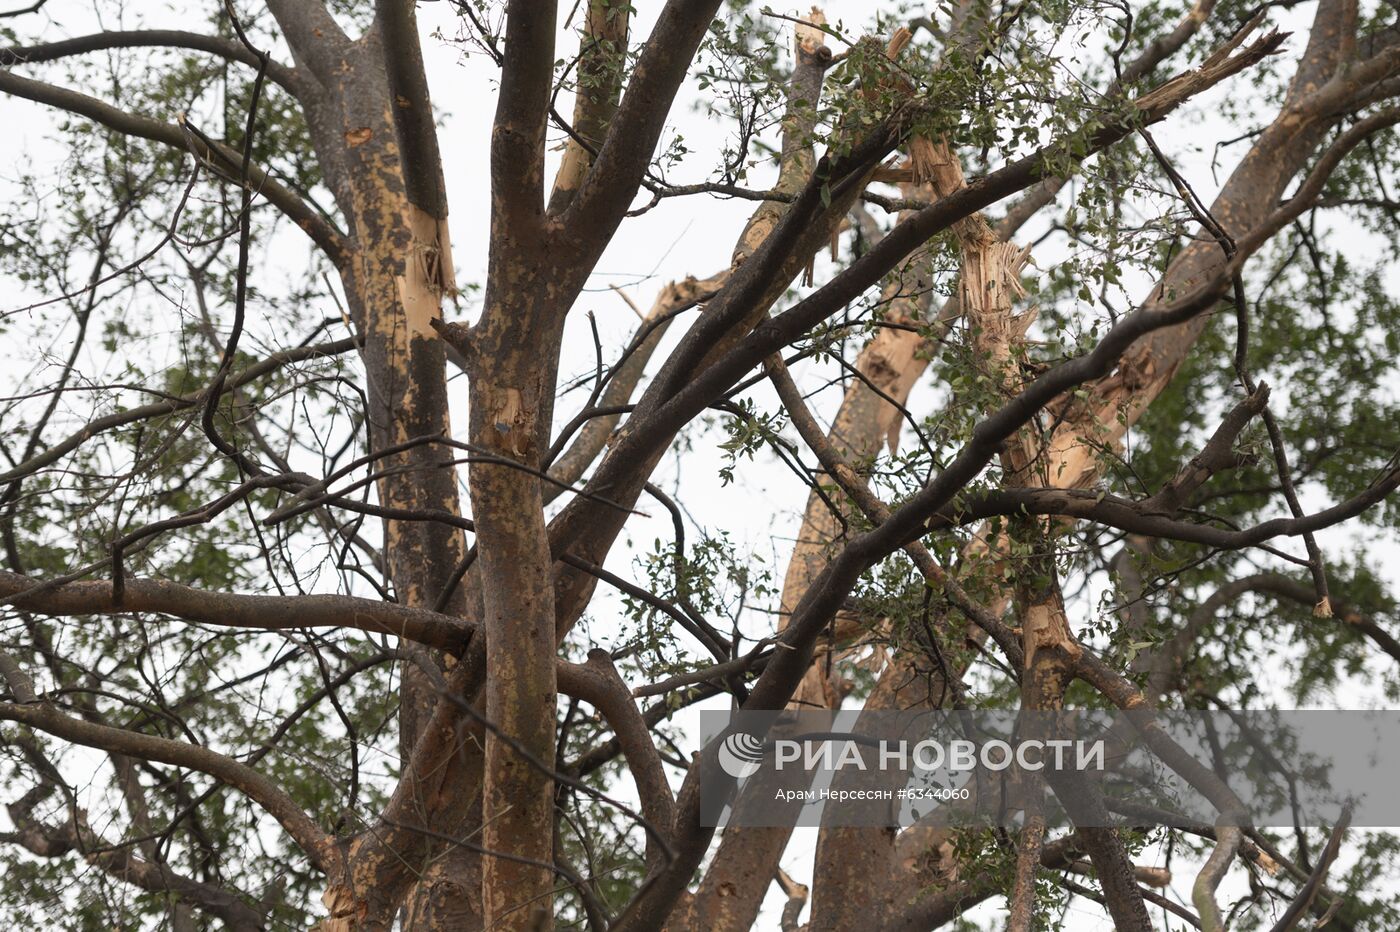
240,561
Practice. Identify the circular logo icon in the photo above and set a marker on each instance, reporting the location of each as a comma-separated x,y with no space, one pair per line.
740,754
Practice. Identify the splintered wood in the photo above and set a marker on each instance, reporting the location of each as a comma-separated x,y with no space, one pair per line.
988,290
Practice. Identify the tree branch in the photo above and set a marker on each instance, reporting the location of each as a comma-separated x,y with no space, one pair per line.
117,419
122,863
146,38
522,110
419,158
317,845
1304,900
313,34
627,149
217,155
602,58
598,683
233,610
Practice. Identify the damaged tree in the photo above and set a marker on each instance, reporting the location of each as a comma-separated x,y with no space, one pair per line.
239,574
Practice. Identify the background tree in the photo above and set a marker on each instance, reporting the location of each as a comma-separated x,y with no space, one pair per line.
266,661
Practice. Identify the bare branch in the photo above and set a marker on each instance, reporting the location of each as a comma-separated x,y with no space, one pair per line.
602,57
146,38
117,419
522,109
419,159
598,683
632,136
215,154
1306,896
317,845
233,610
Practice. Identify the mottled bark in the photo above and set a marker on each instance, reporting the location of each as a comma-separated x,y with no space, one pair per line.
371,120
377,130
513,360
602,56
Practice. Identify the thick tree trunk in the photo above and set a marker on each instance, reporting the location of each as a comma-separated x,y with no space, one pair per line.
1249,195
512,391
395,279
512,400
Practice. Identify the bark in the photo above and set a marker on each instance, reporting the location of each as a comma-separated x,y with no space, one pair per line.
378,126
372,123
1245,201
747,860
513,360
536,270
602,54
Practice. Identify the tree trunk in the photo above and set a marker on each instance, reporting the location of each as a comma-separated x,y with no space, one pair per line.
395,279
